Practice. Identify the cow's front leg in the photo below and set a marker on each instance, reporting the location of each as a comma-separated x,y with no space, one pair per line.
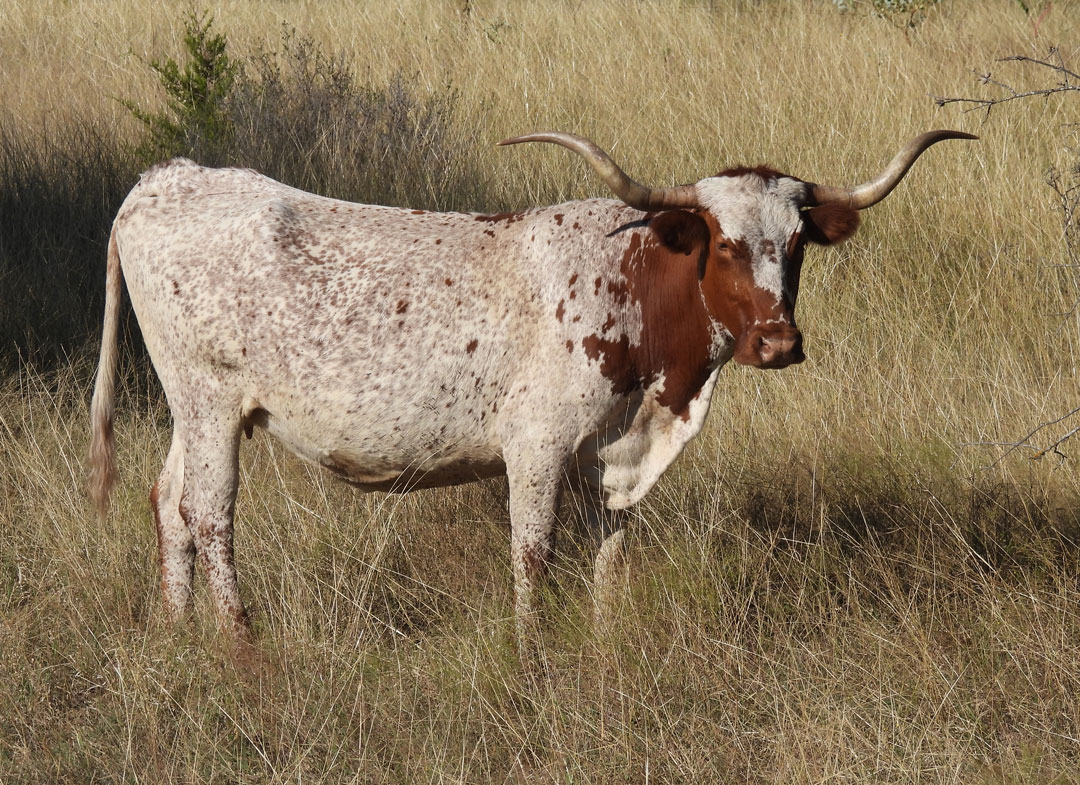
607,531
535,480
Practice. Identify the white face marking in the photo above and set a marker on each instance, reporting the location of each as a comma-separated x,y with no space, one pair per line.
762,213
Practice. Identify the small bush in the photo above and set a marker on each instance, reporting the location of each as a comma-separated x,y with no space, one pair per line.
301,116
905,14
195,121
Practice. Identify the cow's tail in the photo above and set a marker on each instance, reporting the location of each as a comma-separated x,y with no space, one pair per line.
103,405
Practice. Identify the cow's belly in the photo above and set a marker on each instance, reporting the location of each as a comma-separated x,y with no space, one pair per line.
374,460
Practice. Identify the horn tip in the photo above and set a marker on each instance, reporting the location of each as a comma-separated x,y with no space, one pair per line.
946,134
530,137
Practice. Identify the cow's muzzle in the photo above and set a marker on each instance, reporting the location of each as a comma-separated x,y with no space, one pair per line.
773,346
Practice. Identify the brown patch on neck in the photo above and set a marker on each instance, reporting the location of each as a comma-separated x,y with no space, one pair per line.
616,359
675,334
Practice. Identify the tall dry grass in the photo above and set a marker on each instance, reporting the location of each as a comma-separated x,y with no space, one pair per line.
828,586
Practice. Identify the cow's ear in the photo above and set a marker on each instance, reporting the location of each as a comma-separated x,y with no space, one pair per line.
680,231
829,224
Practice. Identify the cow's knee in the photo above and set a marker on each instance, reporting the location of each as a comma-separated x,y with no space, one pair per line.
607,531
530,552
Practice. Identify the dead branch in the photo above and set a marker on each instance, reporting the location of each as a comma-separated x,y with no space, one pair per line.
1024,443
1069,82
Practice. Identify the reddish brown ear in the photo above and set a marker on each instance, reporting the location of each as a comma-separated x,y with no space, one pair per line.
829,224
680,231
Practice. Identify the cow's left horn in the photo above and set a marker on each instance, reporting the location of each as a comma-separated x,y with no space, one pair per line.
628,190
862,196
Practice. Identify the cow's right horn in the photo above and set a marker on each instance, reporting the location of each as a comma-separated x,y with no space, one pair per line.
870,193
628,190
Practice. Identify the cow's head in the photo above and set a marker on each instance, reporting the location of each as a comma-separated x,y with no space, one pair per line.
746,229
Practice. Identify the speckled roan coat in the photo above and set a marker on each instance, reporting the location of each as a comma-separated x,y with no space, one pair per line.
405,349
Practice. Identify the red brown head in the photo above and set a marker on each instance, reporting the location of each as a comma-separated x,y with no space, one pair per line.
747,230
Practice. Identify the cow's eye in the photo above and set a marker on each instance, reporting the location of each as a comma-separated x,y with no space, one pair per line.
722,246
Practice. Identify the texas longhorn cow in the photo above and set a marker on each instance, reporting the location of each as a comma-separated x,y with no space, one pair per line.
405,349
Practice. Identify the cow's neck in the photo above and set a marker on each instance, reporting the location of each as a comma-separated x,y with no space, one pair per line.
680,344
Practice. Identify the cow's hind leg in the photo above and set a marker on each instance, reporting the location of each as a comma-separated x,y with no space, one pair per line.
176,546
211,472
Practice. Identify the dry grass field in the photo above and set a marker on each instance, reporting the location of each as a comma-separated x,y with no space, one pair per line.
839,581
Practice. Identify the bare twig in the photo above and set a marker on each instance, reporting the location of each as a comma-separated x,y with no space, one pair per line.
1023,444
1054,447
1070,81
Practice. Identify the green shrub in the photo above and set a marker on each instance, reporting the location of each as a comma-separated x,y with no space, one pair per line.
195,121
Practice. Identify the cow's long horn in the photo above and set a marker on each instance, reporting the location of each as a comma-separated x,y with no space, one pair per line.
628,190
862,196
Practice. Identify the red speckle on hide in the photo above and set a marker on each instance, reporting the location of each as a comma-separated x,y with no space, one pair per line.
558,218
402,306
573,279
449,282
570,347
470,347
560,310
497,217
